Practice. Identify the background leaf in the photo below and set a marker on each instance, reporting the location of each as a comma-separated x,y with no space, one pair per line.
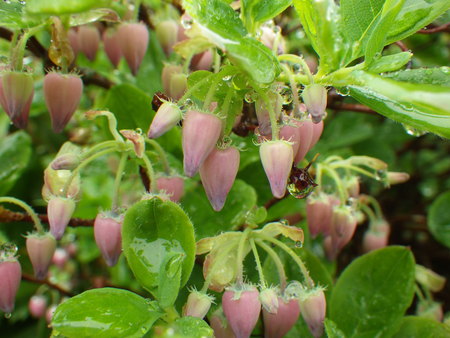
50,7
418,327
435,76
373,292
439,219
106,312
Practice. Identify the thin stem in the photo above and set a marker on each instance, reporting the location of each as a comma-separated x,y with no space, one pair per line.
187,63
212,90
294,89
368,212
192,89
343,195
354,168
118,179
299,60
225,110
272,115
137,4
97,147
161,153
375,205
28,209
291,253
258,263
19,44
276,260
150,173
112,122
217,61
82,164
240,256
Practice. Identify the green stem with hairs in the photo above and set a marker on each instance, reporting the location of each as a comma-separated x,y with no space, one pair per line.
240,256
354,168
343,194
258,263
27,208
294,89
299,60
150,173
368,212
375,205
272,114
112,123
215,83
118,179
161,153
97,147
277,261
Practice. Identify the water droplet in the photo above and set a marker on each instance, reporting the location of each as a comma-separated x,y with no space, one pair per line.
413,131
139,131
186,22
343,91
299,244
226,78
7,315
250,97
286,95
188,103
22,2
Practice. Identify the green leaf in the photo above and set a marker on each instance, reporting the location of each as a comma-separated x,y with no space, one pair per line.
389,63
418,327
439,219
321,21
332,330
241,199
187,327
259,11
435,76
424,107
15,153
153,230
373,292
169,279
52,7
106,312
11,15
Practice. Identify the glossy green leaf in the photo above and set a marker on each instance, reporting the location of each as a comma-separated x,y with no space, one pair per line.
106,312
389,63
241,199
373,293
186,327
321,22
169,279
418,327
332,330
424,107
15,152
51,7
259,11
435,76
152,231
11,14
439,219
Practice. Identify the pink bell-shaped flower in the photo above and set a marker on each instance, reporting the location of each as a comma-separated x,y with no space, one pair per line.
88,41
313,308
167,34
10,276
279,322
319,214
40,250
315,98
16,94
344,226
112,46
220,325
133,39
316,133
174,81
306,134
59,211
291,133
276,158
218,173
108,236
173,186
167,116
242,308
198,304
377,236
62,96
37,306
201,131
202,61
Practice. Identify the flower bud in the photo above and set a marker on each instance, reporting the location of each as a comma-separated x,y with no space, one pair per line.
16,94
430,309
108,236
112,46
37,306
376,237
269,300
72,35
242,309
317,129
315,98
40,250
344,226
167,34
202,61
218,173
10,276
178,85
88,41
173,186
313,308
201,131
292,134
306,133
429,279
276,158
62,96
166,117
133,40
68,161
269,37
319,214
60,257
59,211
54,182
397,177
197,305
49,313
220,325
278,324
137,139
352,185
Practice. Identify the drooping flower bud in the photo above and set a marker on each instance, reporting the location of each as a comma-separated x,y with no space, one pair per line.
278,323
201,131
377,236
108,236
352,185
133,40
68,161
16,94
291,133
430,309
242,308
319,214
202,61
276,158
166,117
72,35
306,133
218,173
112,46
313,308
50,312
344,226
167,34
54,182
40,250
172,185
220,325
62,95
59,211
315,98
37,306
198,304
88,41
316,133
174,81
397,177
137,139
10,276
269,300
429,279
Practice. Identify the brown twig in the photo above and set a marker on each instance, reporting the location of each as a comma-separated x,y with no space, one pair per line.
51,285
435,29
274,201
91,77
351,106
